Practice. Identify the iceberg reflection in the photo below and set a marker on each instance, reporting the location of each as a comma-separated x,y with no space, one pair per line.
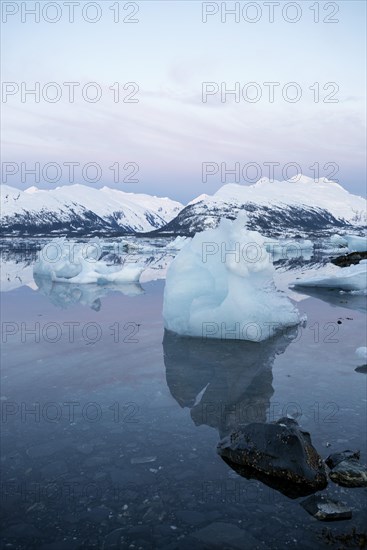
65,295
224,382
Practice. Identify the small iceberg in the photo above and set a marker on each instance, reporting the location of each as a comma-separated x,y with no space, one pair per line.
220,285
354,243
290,249
361,353
83,263
353,278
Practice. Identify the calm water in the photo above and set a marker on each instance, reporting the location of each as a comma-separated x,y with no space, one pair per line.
110,426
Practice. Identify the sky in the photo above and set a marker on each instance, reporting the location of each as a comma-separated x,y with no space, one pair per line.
165,141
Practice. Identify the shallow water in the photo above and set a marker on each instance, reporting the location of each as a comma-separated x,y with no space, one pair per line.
110,426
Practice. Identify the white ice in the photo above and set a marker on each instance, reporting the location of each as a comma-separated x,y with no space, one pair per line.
178,243
288,249
220,285
361,353
354,243
69,262
349,278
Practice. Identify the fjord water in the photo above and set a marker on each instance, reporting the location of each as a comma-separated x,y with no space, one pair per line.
110,424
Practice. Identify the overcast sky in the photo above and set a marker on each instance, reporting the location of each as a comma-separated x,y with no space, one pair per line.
170,132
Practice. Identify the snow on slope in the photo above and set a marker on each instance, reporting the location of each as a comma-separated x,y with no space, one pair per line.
299,204
302,190
83,207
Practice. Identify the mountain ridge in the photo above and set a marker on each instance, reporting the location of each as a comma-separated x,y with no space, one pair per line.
78,209
299,204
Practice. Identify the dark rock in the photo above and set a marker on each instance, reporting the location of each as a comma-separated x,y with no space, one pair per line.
335,458
362,369
326,509
349,539
349,259
349,473
279,454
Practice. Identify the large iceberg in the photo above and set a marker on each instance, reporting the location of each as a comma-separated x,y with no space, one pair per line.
353,278
220,285
70,262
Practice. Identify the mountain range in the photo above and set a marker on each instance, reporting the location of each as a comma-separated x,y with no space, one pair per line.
274,207
300,204
81,210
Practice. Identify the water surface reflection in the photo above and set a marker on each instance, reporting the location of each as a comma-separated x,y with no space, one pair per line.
224,382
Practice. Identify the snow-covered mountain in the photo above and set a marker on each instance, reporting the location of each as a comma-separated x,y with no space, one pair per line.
274,207
80,210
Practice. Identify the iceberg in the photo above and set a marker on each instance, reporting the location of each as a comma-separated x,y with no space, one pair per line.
178,243
290,249
220,285
354,243
69,262
353,278
361,353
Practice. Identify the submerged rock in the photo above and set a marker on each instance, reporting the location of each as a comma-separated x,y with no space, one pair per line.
349,473
279,454
362,369
346,469
335,458
326,509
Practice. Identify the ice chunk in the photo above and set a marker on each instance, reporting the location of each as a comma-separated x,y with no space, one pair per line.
178,243
69,262
361,353
338,240
341,278
289,249
220,285
354,243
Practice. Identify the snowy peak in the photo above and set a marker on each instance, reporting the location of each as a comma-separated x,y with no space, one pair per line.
300,190
82,209
299,204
